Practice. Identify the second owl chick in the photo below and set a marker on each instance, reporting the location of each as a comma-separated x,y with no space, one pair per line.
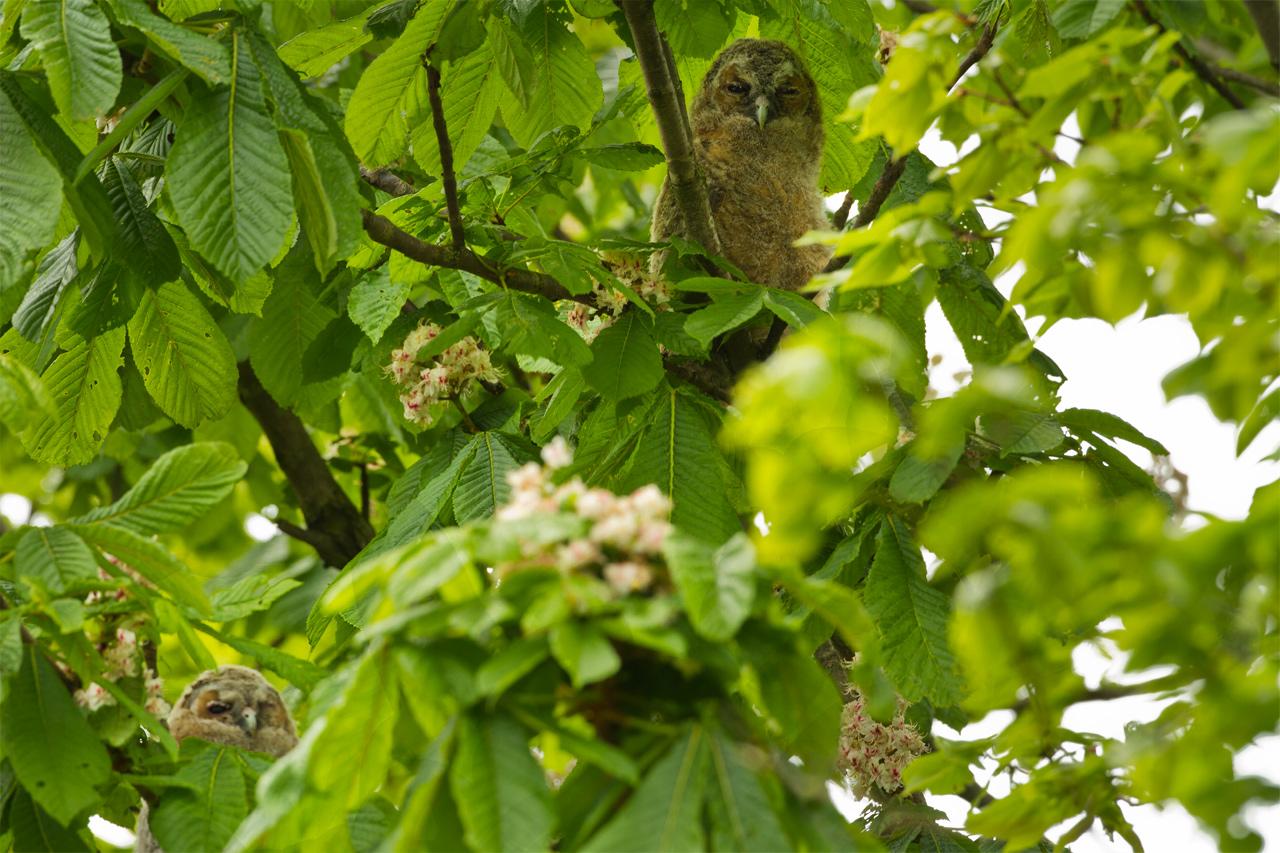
757,129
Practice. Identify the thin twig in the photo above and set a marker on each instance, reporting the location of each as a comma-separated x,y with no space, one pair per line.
974,56
1202,69
446,159
841,215
1263,86
387,182
686,184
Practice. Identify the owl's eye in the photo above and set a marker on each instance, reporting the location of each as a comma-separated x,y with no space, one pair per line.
788,91
217,708
738,88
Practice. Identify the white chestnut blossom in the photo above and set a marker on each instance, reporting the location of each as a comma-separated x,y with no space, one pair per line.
874,754
623,541
441,377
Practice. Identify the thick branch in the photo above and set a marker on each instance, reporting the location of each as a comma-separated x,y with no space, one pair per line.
1266,17
1202,69
683,180
446,159
384,231
387,182
335,528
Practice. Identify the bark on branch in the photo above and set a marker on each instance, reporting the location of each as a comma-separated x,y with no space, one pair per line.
446,159
662,86
335,527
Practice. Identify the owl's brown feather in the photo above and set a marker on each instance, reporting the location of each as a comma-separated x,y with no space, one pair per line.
757,128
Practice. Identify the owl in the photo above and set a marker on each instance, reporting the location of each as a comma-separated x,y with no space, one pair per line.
757,134
231,705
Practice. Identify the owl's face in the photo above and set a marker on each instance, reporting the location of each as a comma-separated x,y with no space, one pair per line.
236,706
760,83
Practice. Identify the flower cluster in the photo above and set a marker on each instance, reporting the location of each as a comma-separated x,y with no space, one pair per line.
624,535
873,754
610,302
440,377
123,659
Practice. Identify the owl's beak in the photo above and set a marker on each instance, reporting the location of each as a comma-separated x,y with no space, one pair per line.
249,721
762,111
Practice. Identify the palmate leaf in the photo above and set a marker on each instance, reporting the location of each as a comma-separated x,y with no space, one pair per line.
717,585
741,815
203,814
55,755
391,90
482,486
30,187
665,811
53,558
316,51
557,84
178,488
499,788
84,384
185,360
677,451
23,399
34,829
203,56
145,247
227,175
39,308
625,360
912,618
80,59
149,559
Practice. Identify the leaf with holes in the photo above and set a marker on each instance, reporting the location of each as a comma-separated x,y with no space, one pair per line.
84,384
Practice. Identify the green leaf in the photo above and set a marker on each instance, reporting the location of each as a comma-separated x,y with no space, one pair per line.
625,360
1022,432
84,384
31,190
742,817
202,816
375,301
55,755
530,327
510,665
54,558
316,51
1083,18
228,177
149,559
34,829
482,486
469,91
292,318
302,673
694,27
912,618
80,59
178,488
249,595
793,308
728,311
624,156
86,197
664,813
584,652
393,89
22,395
145,246
1107,424
558,84
717,585
915,480
38,311
186,362
500,790
677,452
205,57
1265,413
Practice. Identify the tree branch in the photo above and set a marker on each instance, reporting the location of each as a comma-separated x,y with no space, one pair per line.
387,182
1263,86
335,527
384,231
1202,69
446,159
683,179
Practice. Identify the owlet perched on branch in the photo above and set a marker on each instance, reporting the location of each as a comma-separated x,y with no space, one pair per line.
757,137
231,705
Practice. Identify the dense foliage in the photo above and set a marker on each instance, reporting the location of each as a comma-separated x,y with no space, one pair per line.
379,271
